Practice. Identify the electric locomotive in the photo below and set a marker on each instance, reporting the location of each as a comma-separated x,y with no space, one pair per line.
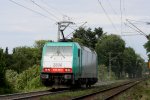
68,64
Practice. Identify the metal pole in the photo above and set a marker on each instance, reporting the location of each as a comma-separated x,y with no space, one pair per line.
109,65
110,59
58,35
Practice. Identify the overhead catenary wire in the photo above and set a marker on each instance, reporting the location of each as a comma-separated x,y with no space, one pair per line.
124,15
45,10
50,12
107,15
140,31
113,10
129,34
56,10
126,26
132,28
76,29
112,7
139,21
121,14
32,10
123,1
61,13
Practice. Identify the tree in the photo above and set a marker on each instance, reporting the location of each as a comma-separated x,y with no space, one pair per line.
87,37
2,68
8,58
140,63
109,44
129,58
108,48
133,63
23,58
27,80
147,47
38,45
6,51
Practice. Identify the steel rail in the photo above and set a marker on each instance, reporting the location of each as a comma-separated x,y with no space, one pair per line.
18,96
109,93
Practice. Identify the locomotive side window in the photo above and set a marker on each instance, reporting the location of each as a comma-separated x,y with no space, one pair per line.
78,52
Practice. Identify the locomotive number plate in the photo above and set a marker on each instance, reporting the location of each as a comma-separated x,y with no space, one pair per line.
56,65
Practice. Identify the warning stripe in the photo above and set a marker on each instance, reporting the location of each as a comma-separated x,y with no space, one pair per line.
58,70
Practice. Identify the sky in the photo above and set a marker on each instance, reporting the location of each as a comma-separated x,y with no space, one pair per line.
21,27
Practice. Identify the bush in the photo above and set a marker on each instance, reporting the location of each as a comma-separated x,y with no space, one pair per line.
11,77
25,81
103,73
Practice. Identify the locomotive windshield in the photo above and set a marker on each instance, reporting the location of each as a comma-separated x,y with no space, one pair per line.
57,57
59,51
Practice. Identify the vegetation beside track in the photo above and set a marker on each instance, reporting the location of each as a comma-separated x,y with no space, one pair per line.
26,81
138,92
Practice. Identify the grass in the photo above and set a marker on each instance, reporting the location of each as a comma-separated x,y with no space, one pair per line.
65,96
37,89
138,92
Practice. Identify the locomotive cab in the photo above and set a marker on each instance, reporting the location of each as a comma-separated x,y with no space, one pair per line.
57,64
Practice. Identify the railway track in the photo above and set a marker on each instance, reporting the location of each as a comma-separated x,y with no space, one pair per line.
30,95
37,94
109,93
104,94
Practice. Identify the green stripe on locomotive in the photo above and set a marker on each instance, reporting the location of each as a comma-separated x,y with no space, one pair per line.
76,60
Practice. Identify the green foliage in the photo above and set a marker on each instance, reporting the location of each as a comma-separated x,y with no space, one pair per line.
4,87
145,72
109,44
33,78
147,47
25,81
23,58
40,43
108,48
139,92
111,50
26,78
2,68
87,37
11,77
124,61
133,63
20,75
129,57
102,73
